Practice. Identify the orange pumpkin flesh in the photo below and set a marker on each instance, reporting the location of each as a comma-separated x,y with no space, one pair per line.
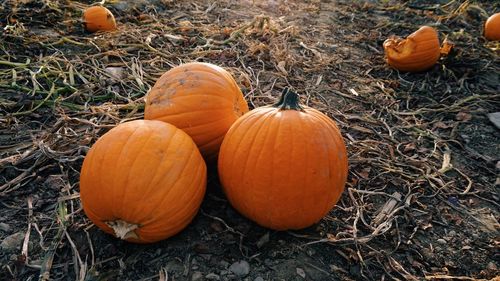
492,28
446,47
283,166
418,52
200,98
98,18
143,181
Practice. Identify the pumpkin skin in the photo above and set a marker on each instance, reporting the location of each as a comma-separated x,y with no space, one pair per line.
98,18
283,166
418,52
200,98
143,181
492,28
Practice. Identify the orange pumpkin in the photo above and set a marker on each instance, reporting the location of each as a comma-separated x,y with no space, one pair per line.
200,98
283,166
98,18
418,52
143,181
492,28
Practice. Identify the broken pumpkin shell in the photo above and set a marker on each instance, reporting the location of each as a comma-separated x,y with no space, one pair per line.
98,18
492,28
446,47
418,52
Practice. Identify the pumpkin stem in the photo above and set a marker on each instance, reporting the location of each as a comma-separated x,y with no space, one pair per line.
289,100
123,229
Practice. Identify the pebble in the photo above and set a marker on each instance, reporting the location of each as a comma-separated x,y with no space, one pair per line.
450,235
258,279
263,240
4,227
441,241
223,264
115,72
241,268
197,276
212,276
301,272
12,242
495,119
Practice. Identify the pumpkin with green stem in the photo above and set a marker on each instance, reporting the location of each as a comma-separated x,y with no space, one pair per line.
283,166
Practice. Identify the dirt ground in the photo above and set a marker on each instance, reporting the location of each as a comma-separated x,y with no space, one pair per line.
421,146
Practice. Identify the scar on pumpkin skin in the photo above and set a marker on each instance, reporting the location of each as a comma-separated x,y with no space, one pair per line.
163,99
156,99
237,108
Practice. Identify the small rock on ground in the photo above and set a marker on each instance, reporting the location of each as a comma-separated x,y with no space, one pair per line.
12,242
441,241
212,276
224,264
197,276
241,268
4,227
495,119
115,72
301,272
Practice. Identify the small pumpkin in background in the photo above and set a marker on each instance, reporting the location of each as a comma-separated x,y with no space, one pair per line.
98,18
200,98
143,181
283,166
492,28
